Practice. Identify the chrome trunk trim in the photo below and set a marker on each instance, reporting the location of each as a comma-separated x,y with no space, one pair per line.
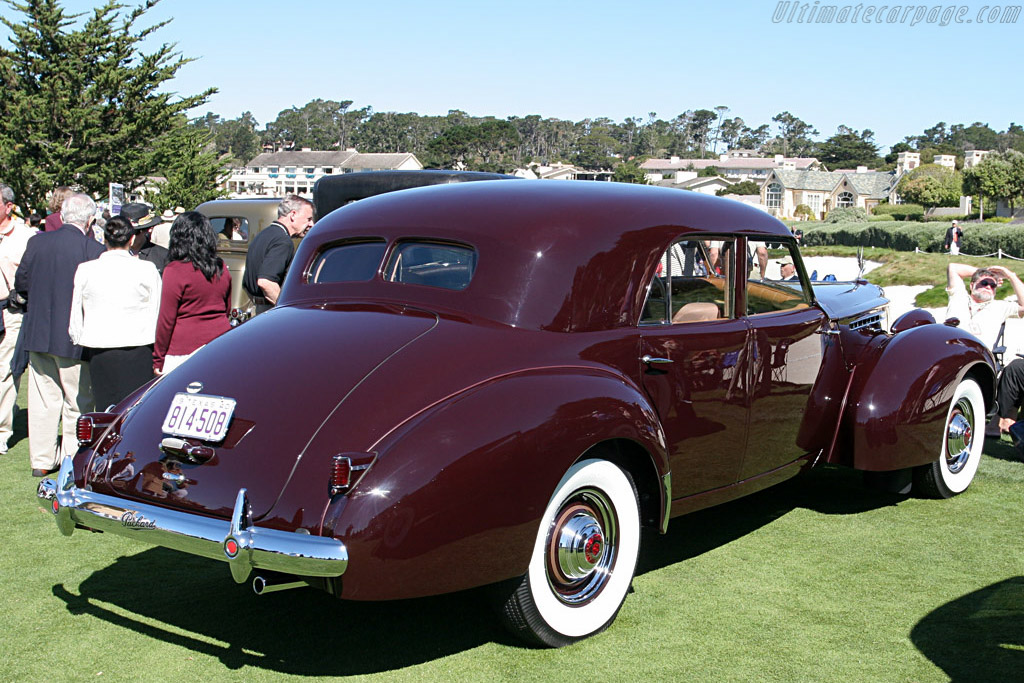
254,547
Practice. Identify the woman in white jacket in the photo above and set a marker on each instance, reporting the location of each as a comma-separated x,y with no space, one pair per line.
114,309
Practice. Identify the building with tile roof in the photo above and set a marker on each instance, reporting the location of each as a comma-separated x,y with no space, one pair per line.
823,191
275,174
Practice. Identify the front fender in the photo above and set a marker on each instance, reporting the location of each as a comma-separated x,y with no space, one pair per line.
456,495
900,394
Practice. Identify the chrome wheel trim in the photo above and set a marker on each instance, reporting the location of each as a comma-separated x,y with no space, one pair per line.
959,435
582,546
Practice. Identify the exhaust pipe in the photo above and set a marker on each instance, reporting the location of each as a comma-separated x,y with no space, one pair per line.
271,583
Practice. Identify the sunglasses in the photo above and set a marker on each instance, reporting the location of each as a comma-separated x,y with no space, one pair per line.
987,282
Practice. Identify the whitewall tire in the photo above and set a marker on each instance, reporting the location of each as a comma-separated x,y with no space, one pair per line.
583,559
963,439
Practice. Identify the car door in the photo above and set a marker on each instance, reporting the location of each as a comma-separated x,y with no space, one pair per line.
786,354
694,364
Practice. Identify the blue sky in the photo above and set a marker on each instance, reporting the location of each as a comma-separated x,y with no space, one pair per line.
571,59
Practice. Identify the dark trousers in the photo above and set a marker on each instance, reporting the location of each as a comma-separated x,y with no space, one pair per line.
118,372
1010,393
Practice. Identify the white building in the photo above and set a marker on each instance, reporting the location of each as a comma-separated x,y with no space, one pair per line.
736,166
973,157
275,174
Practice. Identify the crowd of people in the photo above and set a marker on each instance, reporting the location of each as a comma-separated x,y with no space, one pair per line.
93,309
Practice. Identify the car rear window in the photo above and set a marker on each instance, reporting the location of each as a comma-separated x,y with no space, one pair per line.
349,262
447,266
231,229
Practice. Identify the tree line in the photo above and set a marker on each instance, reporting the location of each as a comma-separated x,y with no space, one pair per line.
83,104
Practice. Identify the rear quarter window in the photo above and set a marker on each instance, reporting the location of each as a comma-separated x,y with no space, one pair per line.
349,262
447,266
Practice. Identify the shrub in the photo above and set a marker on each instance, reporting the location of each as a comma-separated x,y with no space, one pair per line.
851,214
998,219
804,211
979,238
900,212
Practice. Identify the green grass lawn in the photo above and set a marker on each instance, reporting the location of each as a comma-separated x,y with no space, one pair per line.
815,580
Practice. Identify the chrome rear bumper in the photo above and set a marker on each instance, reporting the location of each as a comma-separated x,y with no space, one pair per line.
243,546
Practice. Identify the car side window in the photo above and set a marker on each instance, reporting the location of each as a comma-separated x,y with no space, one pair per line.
774,280
691,283
231,229
447,266
347,262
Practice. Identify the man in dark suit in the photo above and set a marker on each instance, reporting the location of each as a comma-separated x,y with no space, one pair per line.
59,384
142,246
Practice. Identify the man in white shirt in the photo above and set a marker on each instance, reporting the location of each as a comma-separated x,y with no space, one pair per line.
982,315
14,236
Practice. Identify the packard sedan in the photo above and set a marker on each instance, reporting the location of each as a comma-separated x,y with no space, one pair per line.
500,383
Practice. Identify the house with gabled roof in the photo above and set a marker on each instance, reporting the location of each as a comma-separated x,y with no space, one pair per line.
823,191
275,174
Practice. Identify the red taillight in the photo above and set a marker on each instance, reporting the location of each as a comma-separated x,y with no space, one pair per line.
85,429
341,474
91,425
55,505
231,547
346,469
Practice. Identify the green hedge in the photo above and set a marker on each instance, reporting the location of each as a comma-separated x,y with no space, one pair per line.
900,212
849,214
979,238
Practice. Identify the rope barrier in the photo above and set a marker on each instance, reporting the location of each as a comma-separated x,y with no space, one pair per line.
998,254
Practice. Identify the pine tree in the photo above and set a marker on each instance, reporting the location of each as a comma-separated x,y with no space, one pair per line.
82,104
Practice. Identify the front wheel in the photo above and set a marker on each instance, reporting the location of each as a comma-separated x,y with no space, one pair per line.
962,441
583,558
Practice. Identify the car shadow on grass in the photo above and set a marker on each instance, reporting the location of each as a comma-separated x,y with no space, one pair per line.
977,637
192,603
827,490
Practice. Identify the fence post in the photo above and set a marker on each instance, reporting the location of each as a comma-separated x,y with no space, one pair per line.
1000,254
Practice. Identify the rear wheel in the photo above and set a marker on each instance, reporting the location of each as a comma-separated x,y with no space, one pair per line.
962,441
583,560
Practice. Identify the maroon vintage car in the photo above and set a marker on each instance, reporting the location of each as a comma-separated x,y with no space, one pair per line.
502,382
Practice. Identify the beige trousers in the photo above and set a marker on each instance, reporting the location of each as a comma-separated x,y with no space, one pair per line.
8,382
59,390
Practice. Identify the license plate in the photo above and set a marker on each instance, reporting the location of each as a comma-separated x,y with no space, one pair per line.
200,417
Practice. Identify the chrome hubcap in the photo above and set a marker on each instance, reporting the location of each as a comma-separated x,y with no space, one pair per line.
959,435
581,547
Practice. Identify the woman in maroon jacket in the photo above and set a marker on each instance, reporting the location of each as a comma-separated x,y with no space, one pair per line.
195,296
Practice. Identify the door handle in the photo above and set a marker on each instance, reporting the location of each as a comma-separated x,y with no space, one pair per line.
651,360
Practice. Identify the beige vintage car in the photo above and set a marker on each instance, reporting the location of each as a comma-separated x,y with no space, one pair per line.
238,221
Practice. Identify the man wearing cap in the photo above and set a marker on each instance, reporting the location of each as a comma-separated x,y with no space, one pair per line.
271,252
954,236
59,386
787,268
14,236
141,245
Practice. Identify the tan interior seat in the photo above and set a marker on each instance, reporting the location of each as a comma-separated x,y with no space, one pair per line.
696,312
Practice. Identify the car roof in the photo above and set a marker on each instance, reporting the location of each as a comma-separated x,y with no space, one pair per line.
559,255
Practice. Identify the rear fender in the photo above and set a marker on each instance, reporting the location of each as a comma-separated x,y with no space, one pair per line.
897,405
456,494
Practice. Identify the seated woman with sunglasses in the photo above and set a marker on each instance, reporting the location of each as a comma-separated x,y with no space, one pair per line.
982,315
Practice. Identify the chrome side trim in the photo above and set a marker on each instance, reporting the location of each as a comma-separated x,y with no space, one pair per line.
666,494
256,547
